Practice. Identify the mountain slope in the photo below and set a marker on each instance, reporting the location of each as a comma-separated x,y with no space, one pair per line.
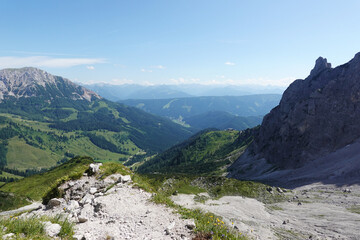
316,117
222,120
51,119
208,152
33,82
180,108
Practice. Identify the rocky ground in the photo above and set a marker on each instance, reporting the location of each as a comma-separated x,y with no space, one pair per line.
314,211
113,209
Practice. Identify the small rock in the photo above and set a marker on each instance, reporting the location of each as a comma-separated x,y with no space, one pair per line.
82,219
279,190
87,199
55,202
79,237
190,224
93,190
169,228
126,178
112,179
269,189
299,203
52,229
99,194
72,205
347,190
286,221
9,236
183,237
97,207
94,168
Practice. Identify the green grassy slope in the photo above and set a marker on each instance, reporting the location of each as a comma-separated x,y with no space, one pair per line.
34,187
208,153
36,134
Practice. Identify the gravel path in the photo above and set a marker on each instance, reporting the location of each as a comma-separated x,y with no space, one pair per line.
120,212
314,211
127,214
33,206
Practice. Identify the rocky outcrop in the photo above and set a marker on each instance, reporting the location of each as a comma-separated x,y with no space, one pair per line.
315,117
31,82
112,208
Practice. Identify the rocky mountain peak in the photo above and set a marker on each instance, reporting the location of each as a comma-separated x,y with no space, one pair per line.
320,64
32,82
315,117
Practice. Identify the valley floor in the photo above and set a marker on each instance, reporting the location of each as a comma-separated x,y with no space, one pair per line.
315,211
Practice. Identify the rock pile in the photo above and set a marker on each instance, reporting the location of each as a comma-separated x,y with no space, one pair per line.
113,209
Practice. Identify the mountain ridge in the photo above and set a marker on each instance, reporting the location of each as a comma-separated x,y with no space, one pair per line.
29,81
47,119
316,117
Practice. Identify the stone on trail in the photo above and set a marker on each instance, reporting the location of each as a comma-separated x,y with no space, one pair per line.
190,224
55,202
126,178
52,229
94,168
169,228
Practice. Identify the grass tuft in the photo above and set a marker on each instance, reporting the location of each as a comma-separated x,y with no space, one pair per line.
33,227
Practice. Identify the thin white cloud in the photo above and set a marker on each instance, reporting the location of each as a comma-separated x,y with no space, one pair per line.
44,61
145,70
90,67
158,67
229,63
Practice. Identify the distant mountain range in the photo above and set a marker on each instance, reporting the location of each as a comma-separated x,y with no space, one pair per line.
134,91
251,105
222,120
46,119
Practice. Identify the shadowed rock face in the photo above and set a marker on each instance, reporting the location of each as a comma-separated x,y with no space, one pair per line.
315,116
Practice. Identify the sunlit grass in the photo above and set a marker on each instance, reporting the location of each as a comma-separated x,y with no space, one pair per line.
33,227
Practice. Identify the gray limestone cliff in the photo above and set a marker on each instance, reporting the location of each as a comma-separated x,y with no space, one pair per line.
316,116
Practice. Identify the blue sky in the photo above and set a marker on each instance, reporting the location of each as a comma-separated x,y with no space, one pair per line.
172,42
